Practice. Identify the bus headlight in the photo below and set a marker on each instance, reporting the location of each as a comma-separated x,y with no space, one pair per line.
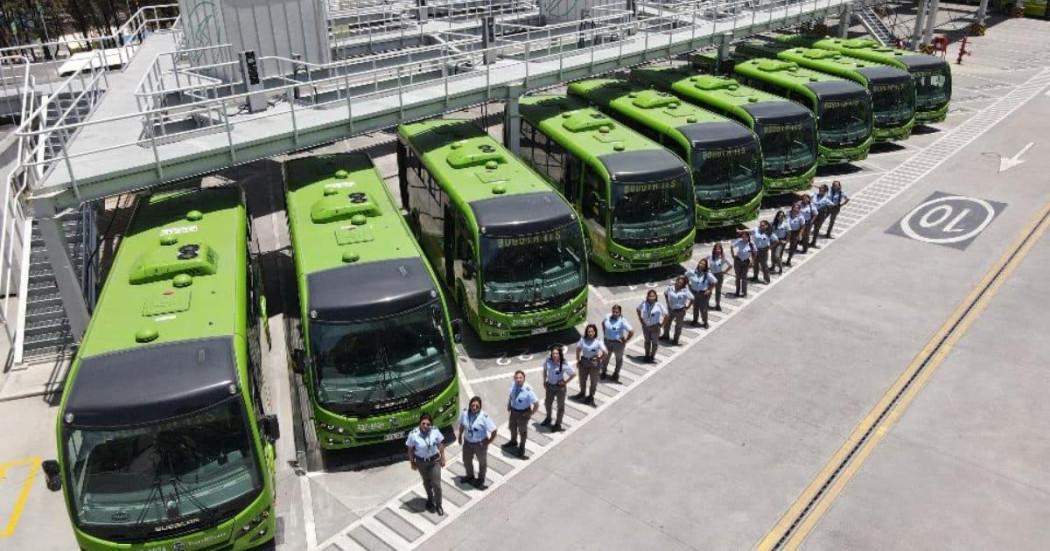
493,323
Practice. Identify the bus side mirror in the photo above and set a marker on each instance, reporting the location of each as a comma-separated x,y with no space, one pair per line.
298,360
269,428
457,330
51,475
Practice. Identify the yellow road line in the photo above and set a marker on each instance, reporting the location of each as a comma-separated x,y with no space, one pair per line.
813,502
33,465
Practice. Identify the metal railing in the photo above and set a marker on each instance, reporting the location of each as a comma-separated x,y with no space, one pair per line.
678,27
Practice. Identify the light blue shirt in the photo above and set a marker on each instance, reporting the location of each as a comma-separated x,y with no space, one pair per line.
591,348
678,299
616,330
796,222
761,240
808,211
781,231
652,314
700,281
477,427
821,202
425,446
836,198
522,398
555,374
742,249
715,264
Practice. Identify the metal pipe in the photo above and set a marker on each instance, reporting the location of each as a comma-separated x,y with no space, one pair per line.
931,21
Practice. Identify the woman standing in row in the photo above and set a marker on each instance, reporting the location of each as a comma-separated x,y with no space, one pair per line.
590,352
717,264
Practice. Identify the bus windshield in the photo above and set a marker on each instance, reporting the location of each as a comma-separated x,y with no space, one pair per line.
788,147
166,477
651,214
726,175
893,101
932,87
360,364
533,271
844,120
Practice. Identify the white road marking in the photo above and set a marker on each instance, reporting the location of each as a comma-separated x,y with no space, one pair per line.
1006,163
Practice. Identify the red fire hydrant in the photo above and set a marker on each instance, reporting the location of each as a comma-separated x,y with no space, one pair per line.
962,51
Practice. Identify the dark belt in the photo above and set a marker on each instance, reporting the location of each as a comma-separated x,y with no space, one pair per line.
653,325
428,459
763,249
520,410
678,309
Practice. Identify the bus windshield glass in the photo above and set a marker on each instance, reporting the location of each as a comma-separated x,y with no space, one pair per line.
788,146
845,120
651,214
893,101
533,271
363,363
932,87
140,482
724,175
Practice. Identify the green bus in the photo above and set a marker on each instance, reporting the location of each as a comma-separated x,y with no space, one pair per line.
509,247
372,338
1038,9
932,75
786,130
634,197
842,107
724,155
892,90
163,438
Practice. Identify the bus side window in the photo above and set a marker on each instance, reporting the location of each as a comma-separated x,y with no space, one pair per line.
254,291
593,196
556,165
572,178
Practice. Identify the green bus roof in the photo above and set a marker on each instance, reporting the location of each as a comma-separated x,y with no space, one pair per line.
587,132
830,62
708,89
870,50
339,211
456,150
785,74
160,289
658,110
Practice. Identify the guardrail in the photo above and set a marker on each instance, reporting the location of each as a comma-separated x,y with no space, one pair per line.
678,24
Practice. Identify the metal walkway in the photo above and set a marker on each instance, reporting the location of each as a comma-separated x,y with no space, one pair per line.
112,154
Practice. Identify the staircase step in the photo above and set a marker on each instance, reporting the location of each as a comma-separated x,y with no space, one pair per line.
38,353
37,313
46,325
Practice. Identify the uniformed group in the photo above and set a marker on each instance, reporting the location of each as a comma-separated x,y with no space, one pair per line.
759,250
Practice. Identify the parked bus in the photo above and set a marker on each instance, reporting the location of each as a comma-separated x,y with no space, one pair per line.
634,197
507,245
163,437
842,107
932,75
372,338
724,155
786,130
892,90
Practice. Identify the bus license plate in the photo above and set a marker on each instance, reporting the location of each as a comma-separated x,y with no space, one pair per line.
539,331
394,436
654,264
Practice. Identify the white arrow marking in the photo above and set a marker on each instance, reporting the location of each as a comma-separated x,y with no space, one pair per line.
1006,163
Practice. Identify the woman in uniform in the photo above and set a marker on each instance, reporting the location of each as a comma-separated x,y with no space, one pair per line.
717,263
590,352
426,454
556,376
795,222
781,231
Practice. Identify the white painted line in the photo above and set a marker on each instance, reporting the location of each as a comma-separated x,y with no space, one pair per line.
308,512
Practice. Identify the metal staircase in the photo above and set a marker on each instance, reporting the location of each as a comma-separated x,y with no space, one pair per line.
45,333
875,26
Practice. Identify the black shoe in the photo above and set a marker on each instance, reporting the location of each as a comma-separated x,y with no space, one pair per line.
718,307
604,375
440,512
675,342
755,279
788,264
557,428
511,444
665,337
590,401
705,326
546,422
615,378
766,280
467,479
579,395
521,453
694,323
430,506
815,246
828,236
480,484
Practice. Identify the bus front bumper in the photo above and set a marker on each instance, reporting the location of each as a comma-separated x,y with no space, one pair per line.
894,133
836,156
623,259
338,432
936,115
790,184
500,326
707,217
